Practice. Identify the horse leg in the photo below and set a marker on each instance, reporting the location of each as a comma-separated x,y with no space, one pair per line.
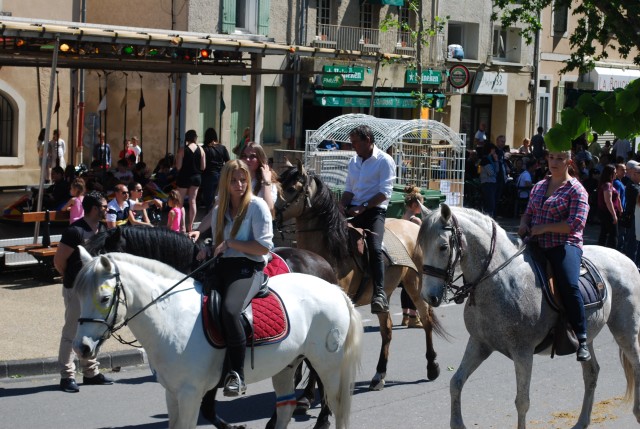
188,401
412,286
474,355
386,329
208,410
523,364
285,390
309,394
322,421
172,408
590,371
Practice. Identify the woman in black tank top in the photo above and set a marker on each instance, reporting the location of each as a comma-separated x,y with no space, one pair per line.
190,162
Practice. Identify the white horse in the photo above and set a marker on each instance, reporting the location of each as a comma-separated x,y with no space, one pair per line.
324,328
506,310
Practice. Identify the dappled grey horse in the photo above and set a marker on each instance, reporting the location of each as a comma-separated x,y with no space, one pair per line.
506,310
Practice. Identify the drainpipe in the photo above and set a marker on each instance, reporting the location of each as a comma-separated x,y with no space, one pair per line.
302,40
80,154
534,87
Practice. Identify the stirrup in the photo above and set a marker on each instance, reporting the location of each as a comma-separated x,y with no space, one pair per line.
233,385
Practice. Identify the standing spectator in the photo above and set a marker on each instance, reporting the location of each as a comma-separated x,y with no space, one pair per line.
370,176
102,152
216,155
40,147
594,147
413,201
621,171
502,170
606,150
123,173
74,205
480,137
628,177
127,151
263,178
67,262
137,150
190,162
55,157
632,192
175,220
488,171
537,144
621,149
609,208
244,139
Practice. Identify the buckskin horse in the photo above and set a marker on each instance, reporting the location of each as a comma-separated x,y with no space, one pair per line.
506,308
321,228
164,313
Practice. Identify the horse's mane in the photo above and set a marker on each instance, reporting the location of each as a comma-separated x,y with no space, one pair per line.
472,216
324,208
161,244
88,275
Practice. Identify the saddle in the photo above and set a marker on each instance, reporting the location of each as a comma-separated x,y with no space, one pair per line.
265,319
394,251
561,338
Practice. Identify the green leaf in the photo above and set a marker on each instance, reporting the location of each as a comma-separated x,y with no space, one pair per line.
574,123
601,123
557,139
627,102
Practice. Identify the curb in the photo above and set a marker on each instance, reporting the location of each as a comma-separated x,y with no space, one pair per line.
48,366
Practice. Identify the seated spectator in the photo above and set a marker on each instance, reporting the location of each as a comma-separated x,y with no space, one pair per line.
139,216
526,147
57,194
123,173
525,180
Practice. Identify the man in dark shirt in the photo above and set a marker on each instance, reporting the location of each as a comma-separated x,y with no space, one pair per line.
537,143
57,194
67,262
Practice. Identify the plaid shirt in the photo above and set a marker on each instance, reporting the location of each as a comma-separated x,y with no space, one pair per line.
568,203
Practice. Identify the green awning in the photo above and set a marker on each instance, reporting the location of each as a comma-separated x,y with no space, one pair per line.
387,2
399,100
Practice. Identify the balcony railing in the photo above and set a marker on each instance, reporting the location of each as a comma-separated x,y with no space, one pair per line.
374,40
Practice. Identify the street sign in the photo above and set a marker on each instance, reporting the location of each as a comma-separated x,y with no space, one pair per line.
332,80
459,76
349,73
429,77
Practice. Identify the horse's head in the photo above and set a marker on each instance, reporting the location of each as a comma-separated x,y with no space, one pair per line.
441,243
109,241
98,288
295,193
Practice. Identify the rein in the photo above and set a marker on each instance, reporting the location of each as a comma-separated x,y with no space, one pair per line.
460,293
112,328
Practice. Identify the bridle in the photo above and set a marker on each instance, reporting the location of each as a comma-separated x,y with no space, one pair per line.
306,194
459,293
111,325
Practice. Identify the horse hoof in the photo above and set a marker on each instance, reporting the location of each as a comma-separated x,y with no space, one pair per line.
323,425
433,371
302,406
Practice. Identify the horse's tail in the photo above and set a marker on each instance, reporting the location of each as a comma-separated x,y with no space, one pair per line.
629,375
350,364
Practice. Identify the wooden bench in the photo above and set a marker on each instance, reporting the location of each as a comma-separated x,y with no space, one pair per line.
45,252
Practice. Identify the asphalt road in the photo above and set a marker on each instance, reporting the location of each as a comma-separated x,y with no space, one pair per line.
408,400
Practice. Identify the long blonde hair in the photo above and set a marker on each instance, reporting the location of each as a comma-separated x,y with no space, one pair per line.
224,201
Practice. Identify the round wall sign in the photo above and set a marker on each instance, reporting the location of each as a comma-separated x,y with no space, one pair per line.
459,76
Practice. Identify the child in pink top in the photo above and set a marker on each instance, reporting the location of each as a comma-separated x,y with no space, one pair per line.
74,205
175,221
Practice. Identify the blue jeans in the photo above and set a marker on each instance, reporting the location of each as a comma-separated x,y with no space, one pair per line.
373,220
565,261
489,190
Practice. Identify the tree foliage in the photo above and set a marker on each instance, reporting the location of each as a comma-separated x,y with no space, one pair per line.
603,26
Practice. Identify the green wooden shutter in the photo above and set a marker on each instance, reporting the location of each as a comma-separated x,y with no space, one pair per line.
208,108
269,134
240,112
263,16
228,16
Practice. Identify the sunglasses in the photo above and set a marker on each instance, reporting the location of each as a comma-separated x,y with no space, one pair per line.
124,192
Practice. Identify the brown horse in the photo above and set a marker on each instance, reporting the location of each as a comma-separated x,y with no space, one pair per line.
322,229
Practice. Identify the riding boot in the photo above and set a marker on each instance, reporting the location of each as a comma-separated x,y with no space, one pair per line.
234,384
583,355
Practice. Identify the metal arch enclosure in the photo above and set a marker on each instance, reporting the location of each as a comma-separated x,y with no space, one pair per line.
427,153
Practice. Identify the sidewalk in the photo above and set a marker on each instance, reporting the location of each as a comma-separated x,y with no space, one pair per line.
32,313
31,318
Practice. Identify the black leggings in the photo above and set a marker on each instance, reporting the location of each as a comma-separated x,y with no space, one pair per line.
234,280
